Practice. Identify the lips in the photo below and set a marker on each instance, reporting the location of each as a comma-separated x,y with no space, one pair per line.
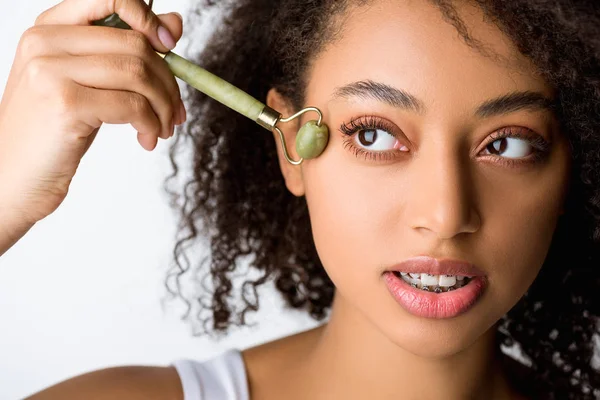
421,301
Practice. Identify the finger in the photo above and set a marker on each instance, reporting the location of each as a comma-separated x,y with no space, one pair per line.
81,104
147,141
89,40
135,13
96,106
121,72
174,23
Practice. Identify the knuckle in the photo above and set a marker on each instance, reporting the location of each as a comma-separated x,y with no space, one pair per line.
31,42
39,20
149,20
137,104
138,69
137,42
38,72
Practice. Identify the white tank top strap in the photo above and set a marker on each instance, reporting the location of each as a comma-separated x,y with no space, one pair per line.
221,377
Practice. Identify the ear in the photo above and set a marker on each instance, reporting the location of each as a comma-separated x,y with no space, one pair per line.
291,173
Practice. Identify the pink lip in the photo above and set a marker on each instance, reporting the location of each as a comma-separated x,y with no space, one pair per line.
436,305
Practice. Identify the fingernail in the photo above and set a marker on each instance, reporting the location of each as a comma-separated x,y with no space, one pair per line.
166,38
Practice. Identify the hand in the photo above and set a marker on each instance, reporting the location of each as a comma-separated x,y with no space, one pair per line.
69,77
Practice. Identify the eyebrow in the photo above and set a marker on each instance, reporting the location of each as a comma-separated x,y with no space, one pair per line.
505,104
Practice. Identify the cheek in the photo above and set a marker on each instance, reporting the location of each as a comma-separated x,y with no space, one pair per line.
514,254
349,214
520,219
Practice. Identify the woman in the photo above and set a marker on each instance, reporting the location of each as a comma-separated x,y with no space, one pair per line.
454,210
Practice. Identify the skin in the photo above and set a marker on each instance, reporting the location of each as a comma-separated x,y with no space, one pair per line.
444,196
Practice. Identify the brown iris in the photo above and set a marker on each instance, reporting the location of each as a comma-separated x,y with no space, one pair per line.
367,137
497,149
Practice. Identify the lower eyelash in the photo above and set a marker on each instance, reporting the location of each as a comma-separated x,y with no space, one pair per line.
512,162
367,155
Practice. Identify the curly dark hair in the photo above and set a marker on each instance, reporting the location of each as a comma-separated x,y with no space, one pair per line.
236,198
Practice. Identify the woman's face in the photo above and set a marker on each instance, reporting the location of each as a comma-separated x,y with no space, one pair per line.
416,165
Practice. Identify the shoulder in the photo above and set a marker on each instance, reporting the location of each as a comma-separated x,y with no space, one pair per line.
274,368
131,383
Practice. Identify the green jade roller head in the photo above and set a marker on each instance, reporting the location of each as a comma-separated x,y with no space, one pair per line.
312,137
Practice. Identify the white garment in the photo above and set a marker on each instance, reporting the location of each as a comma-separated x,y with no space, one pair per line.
220,378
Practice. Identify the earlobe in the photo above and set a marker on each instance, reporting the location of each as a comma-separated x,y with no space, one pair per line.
291,173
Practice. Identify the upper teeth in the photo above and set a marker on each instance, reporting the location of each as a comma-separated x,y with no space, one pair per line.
432,280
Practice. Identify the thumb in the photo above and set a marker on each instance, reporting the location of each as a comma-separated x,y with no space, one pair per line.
174,23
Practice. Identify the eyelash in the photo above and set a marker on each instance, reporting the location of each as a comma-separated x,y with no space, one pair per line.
541,147
366,123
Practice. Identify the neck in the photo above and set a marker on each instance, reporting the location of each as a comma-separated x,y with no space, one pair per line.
356,358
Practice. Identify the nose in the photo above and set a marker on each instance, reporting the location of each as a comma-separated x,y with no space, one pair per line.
443,195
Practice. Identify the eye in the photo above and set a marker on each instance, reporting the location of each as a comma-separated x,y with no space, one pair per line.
510,147
375,140
373,137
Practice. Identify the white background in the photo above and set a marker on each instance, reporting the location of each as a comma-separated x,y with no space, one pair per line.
83,289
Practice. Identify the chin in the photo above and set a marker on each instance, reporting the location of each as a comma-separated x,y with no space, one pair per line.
436,339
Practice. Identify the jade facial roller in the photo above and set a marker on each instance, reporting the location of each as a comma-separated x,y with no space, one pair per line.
312,137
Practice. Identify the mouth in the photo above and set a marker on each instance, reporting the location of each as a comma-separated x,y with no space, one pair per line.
433,283
431,288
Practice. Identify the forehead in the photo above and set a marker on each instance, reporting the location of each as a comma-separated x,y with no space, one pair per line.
411,45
